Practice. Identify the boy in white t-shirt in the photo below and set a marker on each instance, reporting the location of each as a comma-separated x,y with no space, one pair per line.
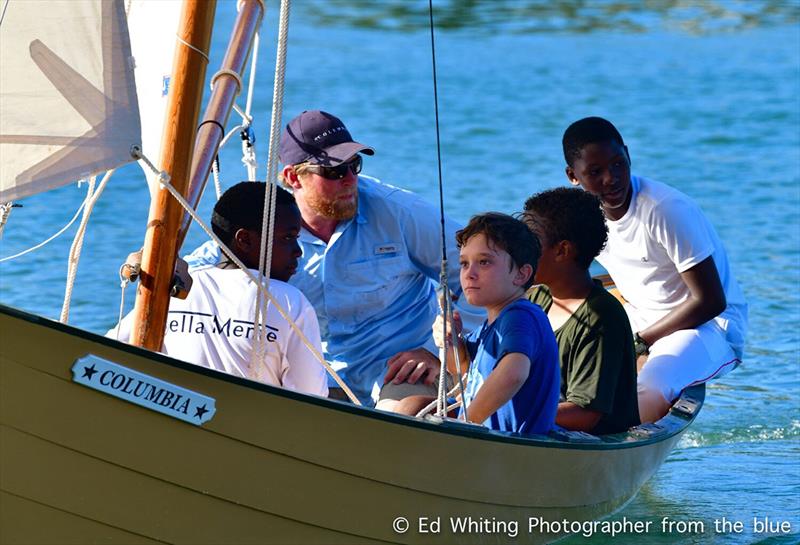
214,326
667,261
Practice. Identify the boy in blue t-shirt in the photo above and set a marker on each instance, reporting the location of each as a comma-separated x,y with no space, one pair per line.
513,379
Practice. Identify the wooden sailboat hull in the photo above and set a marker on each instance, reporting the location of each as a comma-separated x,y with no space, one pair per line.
271,466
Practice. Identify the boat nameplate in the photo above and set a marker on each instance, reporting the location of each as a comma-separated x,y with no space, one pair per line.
144,390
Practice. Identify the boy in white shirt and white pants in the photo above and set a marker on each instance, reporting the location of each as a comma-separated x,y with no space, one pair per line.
665,257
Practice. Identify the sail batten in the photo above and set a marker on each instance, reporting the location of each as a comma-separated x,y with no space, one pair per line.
68,106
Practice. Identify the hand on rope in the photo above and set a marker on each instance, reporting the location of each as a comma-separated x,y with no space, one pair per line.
130,270
124,280
446,345
454,354
455,324
181,280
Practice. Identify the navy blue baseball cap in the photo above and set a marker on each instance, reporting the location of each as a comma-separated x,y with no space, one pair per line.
319,138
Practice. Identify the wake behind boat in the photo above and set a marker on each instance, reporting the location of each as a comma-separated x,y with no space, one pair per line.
104,441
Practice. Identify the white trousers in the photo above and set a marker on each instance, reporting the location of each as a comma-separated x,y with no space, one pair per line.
685,358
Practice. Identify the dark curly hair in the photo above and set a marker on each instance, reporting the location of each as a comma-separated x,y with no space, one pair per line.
588,130
507,233
568,214
242,207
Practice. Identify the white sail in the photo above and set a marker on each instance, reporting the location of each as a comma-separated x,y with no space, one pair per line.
68,105
152,27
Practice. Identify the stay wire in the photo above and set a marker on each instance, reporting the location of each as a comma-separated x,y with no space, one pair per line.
446,306
438,144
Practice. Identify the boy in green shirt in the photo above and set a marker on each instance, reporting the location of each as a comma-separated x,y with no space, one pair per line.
595,342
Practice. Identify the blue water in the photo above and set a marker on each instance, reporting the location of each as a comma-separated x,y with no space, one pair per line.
708,101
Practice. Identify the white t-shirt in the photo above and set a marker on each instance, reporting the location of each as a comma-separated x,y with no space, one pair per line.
213,327
663,234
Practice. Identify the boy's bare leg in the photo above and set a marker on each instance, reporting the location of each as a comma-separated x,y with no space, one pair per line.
411,405
388,405
652,406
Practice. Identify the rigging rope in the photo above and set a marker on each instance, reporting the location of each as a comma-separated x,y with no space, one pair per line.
77,244
267,226
123,283
215,173
51,238
432,405
441,398
3,14
5,212
164,180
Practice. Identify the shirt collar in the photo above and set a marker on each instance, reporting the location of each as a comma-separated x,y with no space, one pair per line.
360,216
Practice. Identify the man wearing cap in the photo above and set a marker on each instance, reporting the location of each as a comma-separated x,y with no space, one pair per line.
371,260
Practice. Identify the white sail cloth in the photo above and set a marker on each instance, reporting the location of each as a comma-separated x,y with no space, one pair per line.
152,26
68,107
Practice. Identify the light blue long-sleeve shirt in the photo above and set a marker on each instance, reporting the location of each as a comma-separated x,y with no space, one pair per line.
373,284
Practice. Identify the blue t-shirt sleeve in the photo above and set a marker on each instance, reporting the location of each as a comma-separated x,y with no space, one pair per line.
471,342
516,331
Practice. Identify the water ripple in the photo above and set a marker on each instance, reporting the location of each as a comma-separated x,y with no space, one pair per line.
756,433
575,16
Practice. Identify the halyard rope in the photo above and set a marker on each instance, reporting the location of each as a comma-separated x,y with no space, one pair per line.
270,195
123,283
249,160
432,405
441,398
51,238
77,243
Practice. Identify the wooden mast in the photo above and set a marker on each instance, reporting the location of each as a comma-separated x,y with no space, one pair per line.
224,93
180,122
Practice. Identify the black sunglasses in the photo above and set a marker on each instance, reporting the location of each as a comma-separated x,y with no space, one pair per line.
338,172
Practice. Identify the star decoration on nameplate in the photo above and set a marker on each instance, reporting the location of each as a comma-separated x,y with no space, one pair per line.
141,389
88,372
200,411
